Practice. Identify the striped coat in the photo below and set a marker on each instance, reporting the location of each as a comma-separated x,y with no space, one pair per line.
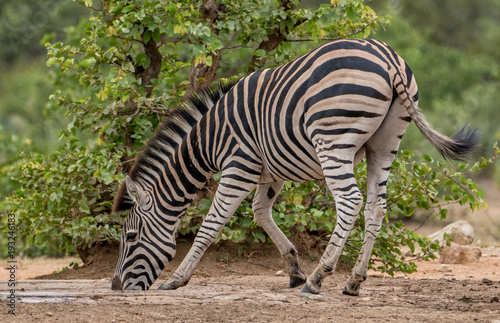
310,119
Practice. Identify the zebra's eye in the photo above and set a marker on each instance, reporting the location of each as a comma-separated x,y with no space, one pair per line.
131,236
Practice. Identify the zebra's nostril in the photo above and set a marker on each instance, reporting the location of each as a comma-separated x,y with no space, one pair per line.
116,283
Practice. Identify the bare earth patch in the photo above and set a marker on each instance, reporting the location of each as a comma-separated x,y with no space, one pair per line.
27,268
236,298
245,288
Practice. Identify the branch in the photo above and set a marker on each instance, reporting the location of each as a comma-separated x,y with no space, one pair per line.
201,74
275,38
329,39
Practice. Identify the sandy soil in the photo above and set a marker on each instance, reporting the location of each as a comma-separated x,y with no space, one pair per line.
263,298
27,268
246,288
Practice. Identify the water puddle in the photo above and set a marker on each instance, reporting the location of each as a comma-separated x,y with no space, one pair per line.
40,297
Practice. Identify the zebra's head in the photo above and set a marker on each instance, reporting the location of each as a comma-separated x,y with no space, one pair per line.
147,243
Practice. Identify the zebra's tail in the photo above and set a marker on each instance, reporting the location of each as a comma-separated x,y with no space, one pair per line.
456,147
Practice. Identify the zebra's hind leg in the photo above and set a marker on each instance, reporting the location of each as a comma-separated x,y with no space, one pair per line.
348,201
262,207
378,165
234,186
381,149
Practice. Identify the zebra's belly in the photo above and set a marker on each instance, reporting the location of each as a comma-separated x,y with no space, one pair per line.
301,171
299,164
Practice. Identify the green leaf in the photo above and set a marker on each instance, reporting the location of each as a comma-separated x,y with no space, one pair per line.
260,53
367,32
427,158
206,31
156,35
147,36
128,8
68,63
88,62
259,236
51,61
84,206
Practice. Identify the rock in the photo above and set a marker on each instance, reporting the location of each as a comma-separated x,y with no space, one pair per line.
280,273
457,254
487,281
49,314
444,269
461,232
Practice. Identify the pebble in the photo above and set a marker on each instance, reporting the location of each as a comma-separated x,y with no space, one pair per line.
486,281
444,268
280,273
49,314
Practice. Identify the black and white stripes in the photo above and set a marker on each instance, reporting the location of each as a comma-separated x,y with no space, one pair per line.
312,118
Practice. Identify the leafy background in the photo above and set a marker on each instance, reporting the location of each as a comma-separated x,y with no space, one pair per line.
83,85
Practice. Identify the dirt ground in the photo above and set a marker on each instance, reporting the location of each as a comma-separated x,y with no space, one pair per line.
244,284
238,298
231,285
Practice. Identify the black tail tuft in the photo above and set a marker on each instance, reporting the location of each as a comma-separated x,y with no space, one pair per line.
463,142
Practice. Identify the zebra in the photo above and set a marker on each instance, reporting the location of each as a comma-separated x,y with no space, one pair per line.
312,118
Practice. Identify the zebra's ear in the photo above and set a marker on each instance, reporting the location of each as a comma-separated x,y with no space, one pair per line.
136,192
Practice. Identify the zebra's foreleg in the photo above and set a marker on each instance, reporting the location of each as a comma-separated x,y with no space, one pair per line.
348,201
262,207
233,188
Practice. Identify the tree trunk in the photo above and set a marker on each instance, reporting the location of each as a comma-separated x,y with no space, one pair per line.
201,74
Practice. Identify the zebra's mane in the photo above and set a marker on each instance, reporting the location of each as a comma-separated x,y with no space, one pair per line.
170,133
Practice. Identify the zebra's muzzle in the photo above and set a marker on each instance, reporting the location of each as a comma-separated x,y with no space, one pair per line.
116,283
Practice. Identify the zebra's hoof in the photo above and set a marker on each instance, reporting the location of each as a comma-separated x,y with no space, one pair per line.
296,281
168,287
307,290
353,291
171,285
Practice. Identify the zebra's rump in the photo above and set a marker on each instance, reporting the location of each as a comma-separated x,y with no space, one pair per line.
336,95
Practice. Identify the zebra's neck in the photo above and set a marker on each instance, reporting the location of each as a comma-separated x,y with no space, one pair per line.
176,162
177,180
